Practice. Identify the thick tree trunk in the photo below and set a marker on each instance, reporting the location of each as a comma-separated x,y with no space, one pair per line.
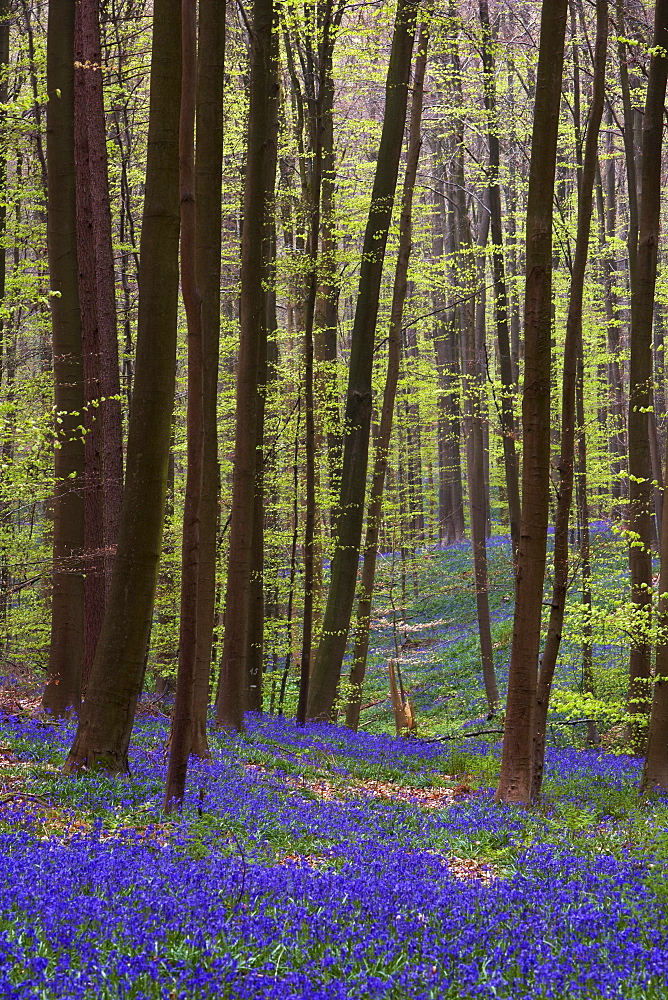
572,351
374,512
116,680
336,623
516,766
642,307
208,187
232,687
63,689
640,392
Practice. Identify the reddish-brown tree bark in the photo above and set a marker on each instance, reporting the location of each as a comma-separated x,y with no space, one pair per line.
501,301
382,442
336,621
116,680
642,307
572,351
208,187
184,700
516,765
643,282
232,687
63,689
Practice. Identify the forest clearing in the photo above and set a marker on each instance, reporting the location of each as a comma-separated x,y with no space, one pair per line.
333,499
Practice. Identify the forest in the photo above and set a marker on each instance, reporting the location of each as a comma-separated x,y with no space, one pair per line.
333,499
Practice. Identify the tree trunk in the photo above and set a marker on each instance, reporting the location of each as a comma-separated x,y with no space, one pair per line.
374,512
208,187
516,766
629,145
184,700
93,496
473,368
255,630
640,396
105,282
411,406
327,306
336,623
447,403
572,351
116,680
606,196
63,689
232,687
501,302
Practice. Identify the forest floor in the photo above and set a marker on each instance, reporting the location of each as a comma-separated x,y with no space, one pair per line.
318,863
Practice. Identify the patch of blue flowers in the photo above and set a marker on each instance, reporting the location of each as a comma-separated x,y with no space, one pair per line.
277,891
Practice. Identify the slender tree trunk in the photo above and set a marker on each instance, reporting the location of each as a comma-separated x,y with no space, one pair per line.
336,622
312,253
93,497
255,630
642,307
116,680
606,197
208,187
629,146
184,701
453,368
588,686
516,766
572,351
105,282
473,367
501,301
374,512
255,633
7,338
448,422
63,689
327,305
232,687
411,406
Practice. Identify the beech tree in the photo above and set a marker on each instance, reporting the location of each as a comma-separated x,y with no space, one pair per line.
208,212
117,675
572,353
642,306
516,766
382,442
103,476
252,336
643,248
184,701
63,689
357,421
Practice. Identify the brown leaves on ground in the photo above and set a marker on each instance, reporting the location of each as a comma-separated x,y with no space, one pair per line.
22,702
472,868
434,797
